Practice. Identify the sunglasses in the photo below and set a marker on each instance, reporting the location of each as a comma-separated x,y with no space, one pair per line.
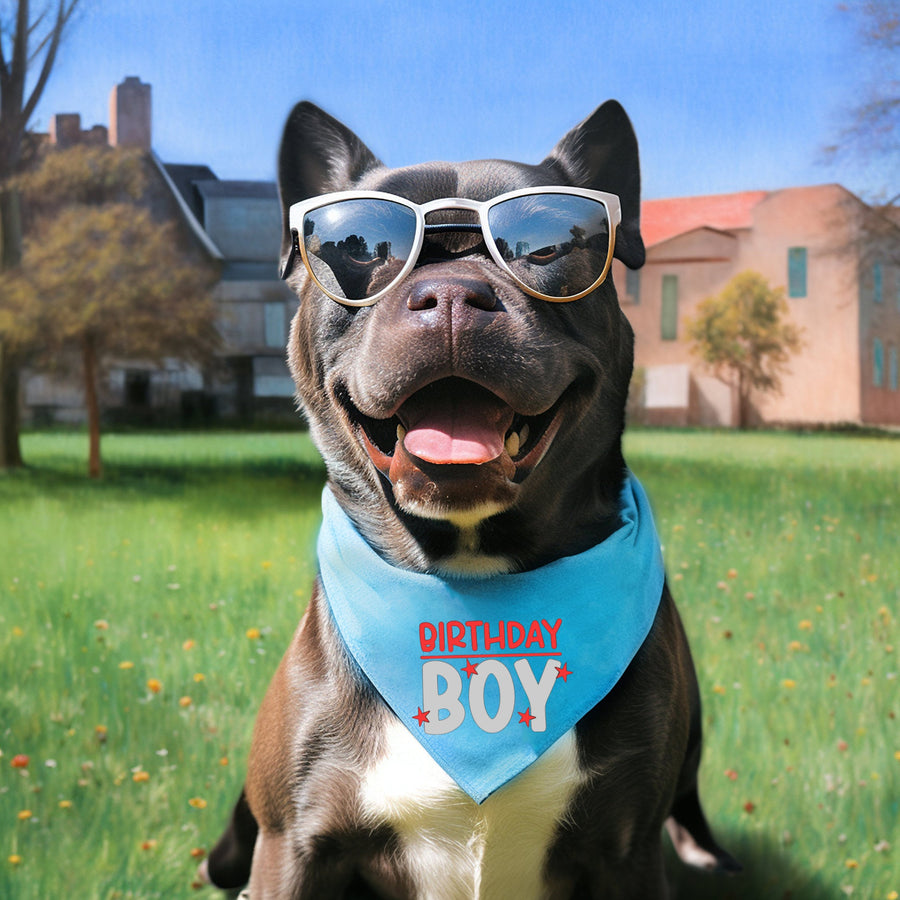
556,243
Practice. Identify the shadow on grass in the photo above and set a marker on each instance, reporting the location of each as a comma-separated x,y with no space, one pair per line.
770,873
249,485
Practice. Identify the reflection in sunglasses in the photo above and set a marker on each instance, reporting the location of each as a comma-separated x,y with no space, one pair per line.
556,243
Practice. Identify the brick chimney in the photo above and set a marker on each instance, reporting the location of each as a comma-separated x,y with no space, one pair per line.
129,114
65,129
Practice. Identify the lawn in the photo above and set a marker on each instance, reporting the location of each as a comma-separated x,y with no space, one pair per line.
142,616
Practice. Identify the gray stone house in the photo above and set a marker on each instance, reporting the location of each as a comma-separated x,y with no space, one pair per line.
237,226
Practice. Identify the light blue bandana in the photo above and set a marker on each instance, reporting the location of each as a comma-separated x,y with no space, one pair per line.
487,673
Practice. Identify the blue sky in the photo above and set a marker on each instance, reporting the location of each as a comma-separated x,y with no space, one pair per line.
724,96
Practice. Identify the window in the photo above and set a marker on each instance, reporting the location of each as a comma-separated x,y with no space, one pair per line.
877,295
877,363
633,285
796,271
892,368
137,388
274,325
669,323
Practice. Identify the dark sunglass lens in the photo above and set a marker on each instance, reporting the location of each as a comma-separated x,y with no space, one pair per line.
556,244
357,247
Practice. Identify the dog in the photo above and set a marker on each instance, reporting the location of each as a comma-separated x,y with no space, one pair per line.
466,385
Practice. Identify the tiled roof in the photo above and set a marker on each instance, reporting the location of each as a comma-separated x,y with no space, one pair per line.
664,219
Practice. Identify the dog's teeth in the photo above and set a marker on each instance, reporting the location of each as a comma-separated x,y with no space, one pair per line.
523,434
401,433
513,443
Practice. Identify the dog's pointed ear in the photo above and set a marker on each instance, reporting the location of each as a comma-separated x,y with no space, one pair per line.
318,154
602,154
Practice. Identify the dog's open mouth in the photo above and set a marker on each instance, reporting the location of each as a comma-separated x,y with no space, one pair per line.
454,422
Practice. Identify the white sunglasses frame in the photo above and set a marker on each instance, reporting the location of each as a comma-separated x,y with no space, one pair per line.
482,207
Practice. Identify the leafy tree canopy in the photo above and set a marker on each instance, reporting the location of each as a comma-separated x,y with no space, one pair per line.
744,335
101,276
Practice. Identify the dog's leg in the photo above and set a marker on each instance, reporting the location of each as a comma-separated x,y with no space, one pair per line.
687,826
316,870
642,875
692,838
228,864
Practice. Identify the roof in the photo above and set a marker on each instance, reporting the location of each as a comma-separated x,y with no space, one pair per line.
665,219
184,206
184,177
246,190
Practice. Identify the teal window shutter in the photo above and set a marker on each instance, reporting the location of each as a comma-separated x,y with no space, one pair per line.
633,285
877,363
669,323
876,283
796,271
894,375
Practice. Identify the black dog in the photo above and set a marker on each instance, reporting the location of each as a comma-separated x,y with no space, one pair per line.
471,428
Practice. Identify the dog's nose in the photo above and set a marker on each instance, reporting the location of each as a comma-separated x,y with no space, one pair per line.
433,292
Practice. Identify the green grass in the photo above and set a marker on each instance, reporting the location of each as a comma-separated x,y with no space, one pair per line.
782,552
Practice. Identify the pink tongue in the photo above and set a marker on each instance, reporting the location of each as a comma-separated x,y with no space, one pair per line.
461,428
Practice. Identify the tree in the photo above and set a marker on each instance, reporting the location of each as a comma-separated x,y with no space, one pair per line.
101,277
744,337
872,131
870,138
25,43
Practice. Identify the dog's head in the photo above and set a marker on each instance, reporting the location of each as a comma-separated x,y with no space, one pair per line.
466,424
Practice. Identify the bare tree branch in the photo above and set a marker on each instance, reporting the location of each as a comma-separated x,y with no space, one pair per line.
15,113
62,17
19,55
4,70
872,130
44,41
36,24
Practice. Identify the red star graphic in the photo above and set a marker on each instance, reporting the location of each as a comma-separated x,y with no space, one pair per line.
422,717
563,672
526,717
470,668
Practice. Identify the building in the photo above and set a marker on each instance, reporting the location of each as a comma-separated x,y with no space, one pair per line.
837,258
839,263
242,219
235,225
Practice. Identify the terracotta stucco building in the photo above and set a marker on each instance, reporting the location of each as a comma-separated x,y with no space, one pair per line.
838,261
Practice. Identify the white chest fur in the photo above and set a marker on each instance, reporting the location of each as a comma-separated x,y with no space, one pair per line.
457,849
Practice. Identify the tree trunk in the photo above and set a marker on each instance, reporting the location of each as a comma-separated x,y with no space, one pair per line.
10,450
89,359
743,403
18,67
10,366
